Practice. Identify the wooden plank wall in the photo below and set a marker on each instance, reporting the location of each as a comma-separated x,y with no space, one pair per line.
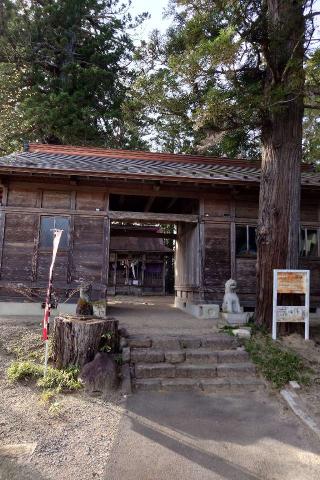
310,217
217,260
206,251
222,212
23,260
246,212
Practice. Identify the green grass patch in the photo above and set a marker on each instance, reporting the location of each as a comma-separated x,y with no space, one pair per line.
278,365
56,380
228,329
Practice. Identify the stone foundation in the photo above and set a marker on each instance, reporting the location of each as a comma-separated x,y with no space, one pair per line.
198,310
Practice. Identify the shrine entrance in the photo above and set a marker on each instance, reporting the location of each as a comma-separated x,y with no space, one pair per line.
154,247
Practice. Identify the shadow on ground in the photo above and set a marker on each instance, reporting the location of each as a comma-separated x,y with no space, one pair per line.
189,435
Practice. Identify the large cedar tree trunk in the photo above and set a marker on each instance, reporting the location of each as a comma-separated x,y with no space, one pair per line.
279,203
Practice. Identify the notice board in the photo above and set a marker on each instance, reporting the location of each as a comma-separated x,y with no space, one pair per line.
291,282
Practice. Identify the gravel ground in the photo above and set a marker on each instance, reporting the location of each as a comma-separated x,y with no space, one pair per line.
72,441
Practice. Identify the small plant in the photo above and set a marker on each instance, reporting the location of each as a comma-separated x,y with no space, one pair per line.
55,409
59,380
23,370
105,342
47,396
278,365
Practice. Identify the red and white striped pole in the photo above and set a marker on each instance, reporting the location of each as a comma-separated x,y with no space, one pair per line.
46,318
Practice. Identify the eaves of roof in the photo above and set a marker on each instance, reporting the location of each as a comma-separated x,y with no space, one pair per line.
121,164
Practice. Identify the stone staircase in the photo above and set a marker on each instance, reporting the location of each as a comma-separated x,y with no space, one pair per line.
210,362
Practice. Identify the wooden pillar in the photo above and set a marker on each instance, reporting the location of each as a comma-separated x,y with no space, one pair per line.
163,276
201,248
115,271
233,265
143,270
106,245
73,201
3,222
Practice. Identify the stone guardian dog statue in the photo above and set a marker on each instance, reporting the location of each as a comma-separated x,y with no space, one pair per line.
231,302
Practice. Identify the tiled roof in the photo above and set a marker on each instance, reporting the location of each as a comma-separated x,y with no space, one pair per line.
109,163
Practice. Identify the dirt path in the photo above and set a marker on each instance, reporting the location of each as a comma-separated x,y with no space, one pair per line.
72,442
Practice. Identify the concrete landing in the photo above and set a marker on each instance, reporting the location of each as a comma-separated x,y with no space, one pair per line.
175,435
155,315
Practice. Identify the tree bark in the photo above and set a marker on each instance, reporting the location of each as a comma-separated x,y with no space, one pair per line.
280,184
76,340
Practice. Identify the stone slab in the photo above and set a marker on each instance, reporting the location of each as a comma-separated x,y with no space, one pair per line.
236,318
242,332
181,384
147,384
198,310
196,371
201,355
145,370
139,342
231,384
232,356
235,369
175,356
219,342
168,343
190,342
148,355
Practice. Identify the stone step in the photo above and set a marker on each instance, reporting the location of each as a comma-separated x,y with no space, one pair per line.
206,385
247,384
204,355
155,370
146,355
220,342
188,370
197,355
235,369
214,341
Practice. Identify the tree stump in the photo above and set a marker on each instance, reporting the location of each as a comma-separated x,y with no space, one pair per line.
76,339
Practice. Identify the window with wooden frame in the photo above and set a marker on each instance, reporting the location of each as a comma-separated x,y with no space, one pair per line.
246,245
309,242
47,226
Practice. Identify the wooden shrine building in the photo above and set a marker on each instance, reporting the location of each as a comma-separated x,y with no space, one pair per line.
212,204
137,261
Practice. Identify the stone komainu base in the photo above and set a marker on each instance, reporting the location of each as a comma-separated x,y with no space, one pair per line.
76,339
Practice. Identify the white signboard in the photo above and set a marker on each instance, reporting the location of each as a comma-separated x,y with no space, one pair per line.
291,282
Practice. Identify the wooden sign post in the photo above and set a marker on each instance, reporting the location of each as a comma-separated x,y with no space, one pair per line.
291,282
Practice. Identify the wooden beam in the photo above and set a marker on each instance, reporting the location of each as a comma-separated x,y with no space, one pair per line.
53,211
153,217
149,204
141,234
